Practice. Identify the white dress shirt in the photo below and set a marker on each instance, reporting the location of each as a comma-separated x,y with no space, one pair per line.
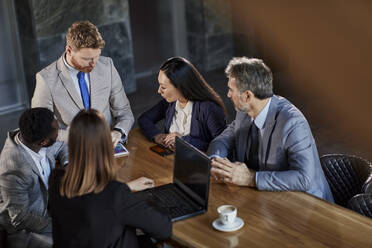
181,122
261,118
73,74
41,161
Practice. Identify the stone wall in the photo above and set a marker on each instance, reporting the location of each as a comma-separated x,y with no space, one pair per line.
209,33
28,43
53,18
43,25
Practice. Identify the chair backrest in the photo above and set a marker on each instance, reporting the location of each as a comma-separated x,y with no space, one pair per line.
346,175
362,204
2,237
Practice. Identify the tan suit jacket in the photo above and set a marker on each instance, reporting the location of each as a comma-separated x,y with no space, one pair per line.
55,90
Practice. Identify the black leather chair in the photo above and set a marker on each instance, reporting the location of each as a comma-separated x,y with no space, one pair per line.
361,203
2,237
350,180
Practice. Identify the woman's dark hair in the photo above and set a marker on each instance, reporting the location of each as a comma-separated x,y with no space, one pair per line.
187,79
35,124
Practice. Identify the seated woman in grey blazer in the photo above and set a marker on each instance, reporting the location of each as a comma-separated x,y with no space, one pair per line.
89,208
192,110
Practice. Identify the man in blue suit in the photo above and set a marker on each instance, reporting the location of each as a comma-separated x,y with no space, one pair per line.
270,140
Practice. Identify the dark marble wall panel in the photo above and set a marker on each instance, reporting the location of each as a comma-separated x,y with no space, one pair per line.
54,17
220,51
196,45
51,49
196,32
28,42
209,33
217,17
117,37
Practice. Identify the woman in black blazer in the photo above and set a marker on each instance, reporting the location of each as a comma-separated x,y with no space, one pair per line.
184,90
89,208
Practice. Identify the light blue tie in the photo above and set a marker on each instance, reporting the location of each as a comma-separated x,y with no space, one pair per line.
83,89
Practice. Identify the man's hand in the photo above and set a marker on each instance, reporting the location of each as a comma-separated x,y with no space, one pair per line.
159,138
141,184
236,173
170,140
116,136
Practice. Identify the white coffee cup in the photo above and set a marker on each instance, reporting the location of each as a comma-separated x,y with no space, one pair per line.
227,214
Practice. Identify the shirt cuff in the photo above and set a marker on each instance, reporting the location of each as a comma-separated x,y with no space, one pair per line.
255,180
123,134
214,156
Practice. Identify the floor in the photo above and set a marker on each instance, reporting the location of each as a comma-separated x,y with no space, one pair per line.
146,96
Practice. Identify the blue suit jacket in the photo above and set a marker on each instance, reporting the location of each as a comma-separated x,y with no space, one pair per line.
207,122
288,157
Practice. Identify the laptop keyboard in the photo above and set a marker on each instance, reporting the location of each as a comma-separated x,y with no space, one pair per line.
170,201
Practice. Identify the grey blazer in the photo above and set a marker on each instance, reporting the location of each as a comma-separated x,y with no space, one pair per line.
288,157
55,90
23,195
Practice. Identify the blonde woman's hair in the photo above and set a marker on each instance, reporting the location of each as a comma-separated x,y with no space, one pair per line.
83,34
91,158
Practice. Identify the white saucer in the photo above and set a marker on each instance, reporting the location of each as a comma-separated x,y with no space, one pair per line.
217,224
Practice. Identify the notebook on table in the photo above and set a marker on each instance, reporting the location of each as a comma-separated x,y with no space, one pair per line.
188,195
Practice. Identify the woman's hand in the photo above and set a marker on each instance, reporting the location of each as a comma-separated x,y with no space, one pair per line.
170,140
141,184
159,138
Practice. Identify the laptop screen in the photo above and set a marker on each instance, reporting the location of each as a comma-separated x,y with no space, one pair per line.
192,171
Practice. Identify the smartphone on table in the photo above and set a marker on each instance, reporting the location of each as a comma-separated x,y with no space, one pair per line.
120,150
161,150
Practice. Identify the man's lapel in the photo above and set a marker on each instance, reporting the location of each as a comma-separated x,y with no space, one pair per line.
268,128
67,82
97,83
242,141
169,115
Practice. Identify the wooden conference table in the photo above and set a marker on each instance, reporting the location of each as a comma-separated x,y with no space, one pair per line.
272,219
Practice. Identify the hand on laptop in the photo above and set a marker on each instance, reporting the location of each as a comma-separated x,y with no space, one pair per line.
141,184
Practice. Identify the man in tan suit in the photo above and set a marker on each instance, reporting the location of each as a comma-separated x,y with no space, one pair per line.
81,78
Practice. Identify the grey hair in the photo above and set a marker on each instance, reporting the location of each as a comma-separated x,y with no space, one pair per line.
251,74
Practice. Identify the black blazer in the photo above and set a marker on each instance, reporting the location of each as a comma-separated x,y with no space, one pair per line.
207,121
106,219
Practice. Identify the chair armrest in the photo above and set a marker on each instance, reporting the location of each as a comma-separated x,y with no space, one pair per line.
361,203
367,187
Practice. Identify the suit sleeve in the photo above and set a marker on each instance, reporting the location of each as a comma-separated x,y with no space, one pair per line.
222,145
147,121
61,152
119,103
215,124
137,213
43,98
14,190
300,157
